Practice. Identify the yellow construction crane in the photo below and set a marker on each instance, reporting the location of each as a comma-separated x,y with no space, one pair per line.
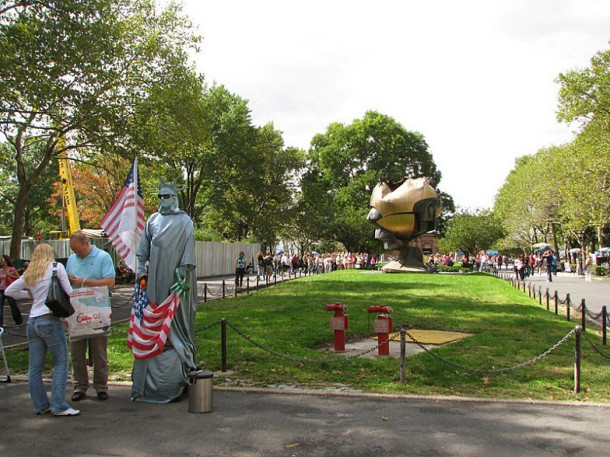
67,191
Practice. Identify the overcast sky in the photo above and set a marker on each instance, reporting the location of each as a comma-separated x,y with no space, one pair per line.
476,77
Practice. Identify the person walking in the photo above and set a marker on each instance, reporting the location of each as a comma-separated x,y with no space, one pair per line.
45,332
8,274
240,269
90,267
547,259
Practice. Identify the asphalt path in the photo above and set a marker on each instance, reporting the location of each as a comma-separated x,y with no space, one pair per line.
595,293
253,423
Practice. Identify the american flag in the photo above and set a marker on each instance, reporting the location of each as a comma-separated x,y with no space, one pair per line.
124,222
150,324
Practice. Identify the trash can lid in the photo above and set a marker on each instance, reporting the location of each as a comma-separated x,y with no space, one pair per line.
201,374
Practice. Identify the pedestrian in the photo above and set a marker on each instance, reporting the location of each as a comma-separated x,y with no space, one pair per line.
45,332
588,270
547,259
89,266
8,274
240,269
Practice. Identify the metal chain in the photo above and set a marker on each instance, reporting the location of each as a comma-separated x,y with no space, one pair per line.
207,327
595,347
501,370
128,301
304,361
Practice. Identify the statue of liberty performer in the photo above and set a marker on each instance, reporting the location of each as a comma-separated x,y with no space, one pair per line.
166,264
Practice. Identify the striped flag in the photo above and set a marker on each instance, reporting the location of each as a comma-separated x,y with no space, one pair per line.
124,222
150,324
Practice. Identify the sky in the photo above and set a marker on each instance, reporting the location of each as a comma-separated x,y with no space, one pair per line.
476,78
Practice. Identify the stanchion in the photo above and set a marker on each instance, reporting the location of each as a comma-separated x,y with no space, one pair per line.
584,313
205,292
223,288
547,298
577,360
248,285
540,295
403,354
604,324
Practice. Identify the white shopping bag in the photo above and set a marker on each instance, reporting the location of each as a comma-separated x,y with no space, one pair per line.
92,312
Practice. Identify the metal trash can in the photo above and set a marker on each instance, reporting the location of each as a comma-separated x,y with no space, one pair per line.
200,391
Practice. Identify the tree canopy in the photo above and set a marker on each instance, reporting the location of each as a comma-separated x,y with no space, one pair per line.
347,161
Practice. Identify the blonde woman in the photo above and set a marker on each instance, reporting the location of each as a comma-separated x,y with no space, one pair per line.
45,332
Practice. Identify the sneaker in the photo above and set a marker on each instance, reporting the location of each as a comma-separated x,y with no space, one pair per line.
47,410
78,396
68,412
102,395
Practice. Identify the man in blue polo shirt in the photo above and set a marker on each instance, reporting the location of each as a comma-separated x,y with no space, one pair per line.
89,267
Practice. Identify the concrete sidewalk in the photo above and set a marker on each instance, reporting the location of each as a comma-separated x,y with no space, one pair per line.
248,424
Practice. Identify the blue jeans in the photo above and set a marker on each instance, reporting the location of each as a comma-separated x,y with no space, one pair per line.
47,333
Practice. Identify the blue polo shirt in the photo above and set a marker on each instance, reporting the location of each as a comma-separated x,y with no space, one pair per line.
97,265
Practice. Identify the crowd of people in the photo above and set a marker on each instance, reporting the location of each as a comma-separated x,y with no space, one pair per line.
281,263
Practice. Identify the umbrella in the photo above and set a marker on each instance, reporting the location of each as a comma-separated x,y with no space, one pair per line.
575,250
314,252
540,245
543,248
491,251
606,249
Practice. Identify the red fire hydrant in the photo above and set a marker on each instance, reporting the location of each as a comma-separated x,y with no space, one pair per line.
338,323
382,327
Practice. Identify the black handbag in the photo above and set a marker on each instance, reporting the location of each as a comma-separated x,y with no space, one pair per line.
58,301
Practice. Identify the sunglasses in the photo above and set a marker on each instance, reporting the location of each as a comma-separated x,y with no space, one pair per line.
166,196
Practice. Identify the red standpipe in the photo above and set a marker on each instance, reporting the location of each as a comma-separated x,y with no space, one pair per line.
338,323
382,326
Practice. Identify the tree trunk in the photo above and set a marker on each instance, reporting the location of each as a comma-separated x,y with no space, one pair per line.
19,220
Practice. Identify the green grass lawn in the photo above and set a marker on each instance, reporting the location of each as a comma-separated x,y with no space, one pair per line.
291,318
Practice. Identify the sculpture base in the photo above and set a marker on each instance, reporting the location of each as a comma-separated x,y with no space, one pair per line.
410,261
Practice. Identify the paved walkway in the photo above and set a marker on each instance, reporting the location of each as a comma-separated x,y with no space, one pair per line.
249,424
595,293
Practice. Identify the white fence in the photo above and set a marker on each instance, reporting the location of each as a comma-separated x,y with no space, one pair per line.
213,259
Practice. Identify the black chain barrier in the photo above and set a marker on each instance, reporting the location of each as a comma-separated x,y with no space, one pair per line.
304,361
600,318
499,370
595,348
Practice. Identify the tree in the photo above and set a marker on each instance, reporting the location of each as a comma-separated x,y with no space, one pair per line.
72,73
349,160
472,232
36,214
584,97
258,197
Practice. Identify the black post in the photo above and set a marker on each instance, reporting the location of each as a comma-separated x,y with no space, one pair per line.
223,288
557,303
547,298
236,288
577,361
403,354
568,311
248,285
540,295
604,323
257,279
223,344
205,292
584,313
